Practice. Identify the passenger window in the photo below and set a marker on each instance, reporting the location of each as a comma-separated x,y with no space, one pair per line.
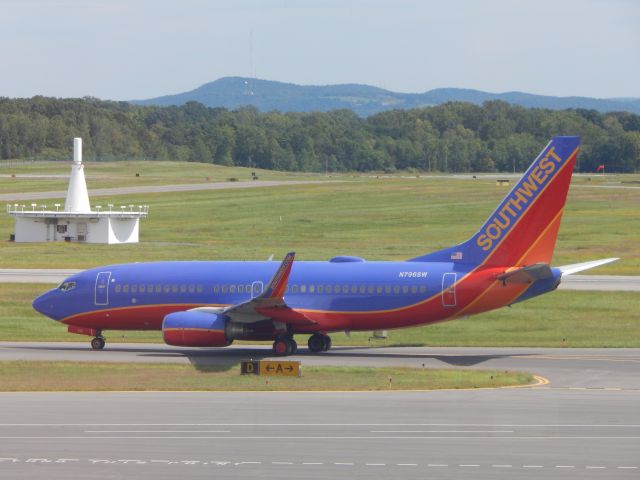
158,288
303,289
345,289
149,288
379,289
125,288
396,289
354,289
423,289
118,288
174,288
405,289
370,289
183,289
320,289
232,289
141,288
166,288
192,288
216,289
312,288
328,288
387,289
240,288
225,288
134,288
294,289
414,289
363,289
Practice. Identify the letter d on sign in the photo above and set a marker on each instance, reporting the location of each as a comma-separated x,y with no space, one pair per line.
248,367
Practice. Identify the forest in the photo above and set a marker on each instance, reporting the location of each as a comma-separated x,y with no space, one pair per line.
452,137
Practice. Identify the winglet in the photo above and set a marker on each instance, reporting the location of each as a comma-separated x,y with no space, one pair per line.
278,284
579,267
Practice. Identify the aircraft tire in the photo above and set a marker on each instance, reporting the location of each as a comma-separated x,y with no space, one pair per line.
294,346
97,343
326,343
316,343
282,347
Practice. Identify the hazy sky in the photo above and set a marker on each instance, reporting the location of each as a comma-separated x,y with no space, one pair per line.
127,49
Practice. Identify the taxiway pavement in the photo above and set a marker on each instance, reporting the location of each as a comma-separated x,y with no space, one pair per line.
136,190
584,424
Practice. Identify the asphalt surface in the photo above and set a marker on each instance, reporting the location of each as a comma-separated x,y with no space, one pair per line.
628,283
136,190
584,424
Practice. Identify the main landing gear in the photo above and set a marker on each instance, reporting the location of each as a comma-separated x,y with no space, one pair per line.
319,343
286,345
98,342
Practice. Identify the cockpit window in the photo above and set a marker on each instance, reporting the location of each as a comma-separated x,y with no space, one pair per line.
66,286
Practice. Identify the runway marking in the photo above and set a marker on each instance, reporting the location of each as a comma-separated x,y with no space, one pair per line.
532,425
157,431
194,463
441,431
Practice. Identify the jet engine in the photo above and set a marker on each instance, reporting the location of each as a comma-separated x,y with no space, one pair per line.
196,329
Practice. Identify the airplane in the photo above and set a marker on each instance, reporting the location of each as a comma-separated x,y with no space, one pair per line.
213,303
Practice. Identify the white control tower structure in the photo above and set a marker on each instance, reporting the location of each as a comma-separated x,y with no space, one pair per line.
76,221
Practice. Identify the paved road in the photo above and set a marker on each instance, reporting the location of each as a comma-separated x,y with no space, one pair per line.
567,368
522,433
627,283
103,192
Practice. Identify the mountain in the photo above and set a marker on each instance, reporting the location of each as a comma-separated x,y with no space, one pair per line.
266,95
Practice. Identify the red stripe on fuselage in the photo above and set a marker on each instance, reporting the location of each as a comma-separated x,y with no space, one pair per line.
138,317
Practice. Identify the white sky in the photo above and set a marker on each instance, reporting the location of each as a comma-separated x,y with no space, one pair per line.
134,49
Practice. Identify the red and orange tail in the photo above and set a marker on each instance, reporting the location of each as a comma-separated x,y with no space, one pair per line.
524,227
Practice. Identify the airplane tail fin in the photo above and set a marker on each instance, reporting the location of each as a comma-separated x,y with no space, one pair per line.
524,227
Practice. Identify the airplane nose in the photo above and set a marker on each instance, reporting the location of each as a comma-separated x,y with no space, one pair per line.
45,305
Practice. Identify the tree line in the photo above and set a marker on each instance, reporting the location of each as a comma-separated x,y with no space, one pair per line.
453,137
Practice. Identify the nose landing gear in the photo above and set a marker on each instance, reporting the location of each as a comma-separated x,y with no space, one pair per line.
98,342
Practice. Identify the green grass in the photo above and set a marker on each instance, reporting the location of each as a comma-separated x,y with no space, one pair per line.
558,319
378,218
74,376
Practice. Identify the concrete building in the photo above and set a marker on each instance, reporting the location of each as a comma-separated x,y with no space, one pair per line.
76,221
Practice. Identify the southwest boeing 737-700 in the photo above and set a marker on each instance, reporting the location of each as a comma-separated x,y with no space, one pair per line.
211,304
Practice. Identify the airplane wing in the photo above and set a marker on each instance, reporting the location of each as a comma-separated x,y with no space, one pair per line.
579,267
269,305
526,275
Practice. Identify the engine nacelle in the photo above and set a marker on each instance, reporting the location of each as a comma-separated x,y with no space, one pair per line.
195,329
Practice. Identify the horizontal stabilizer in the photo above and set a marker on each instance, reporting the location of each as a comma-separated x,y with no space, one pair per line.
526,275
579,267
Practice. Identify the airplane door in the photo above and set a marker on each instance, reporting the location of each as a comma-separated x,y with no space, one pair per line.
449,289
256,289
102,288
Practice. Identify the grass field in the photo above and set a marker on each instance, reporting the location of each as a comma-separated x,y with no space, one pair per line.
73,376
118,174
378,218
558,319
